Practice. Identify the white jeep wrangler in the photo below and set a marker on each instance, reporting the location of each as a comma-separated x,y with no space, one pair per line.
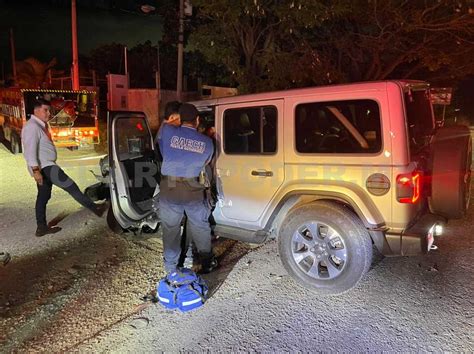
328,171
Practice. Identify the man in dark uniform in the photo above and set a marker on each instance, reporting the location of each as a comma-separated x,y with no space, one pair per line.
185,152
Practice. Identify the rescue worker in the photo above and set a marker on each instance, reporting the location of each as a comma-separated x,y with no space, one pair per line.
185,153
172,117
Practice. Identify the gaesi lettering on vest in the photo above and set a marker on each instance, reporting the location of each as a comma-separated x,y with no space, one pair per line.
188,144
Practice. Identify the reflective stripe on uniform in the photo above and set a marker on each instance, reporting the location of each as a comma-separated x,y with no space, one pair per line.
162,299
186,303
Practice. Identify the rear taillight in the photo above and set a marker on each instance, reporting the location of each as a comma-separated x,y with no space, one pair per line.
409,187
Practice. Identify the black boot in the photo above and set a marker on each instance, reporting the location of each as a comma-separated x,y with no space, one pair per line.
208,262
45,230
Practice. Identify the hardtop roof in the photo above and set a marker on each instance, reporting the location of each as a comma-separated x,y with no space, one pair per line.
327,89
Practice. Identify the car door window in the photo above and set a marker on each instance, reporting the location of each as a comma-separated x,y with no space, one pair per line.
134,148
338,127
250,130
133,139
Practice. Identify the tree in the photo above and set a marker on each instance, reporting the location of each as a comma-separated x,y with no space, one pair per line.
196,65
143,63
271,44
401,39
31,73
256,39
108,58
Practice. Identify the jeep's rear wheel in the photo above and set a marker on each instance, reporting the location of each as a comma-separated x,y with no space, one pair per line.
451,172
325,247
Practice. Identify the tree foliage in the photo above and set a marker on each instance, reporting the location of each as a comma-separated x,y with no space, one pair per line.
403,39
256,39
270,44
143,62
32,73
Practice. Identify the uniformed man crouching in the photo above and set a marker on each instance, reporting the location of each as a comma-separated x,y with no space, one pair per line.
185,154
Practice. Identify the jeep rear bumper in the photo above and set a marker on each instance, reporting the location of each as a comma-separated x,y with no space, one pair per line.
415,239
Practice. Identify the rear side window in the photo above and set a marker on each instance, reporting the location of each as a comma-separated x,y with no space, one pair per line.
250,130
338,127
419,118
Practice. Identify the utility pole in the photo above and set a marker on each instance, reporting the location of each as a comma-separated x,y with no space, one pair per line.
75,58
179,78
12,48
158,72
125,56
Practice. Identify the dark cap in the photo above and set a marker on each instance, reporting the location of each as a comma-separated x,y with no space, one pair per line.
188,112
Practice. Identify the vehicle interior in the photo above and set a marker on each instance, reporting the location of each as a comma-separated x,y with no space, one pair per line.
250,130
338,127
137,160
419,119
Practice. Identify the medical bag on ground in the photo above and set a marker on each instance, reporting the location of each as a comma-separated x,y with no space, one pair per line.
183,289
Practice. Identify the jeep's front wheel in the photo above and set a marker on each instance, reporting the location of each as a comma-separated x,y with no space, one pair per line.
325,247
112,223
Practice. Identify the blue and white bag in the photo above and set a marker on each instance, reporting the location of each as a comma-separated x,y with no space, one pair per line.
182,289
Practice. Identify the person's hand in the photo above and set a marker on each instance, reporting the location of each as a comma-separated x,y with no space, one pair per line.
174,119
38,177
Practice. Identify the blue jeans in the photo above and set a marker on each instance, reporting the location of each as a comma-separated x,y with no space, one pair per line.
197,228
55,175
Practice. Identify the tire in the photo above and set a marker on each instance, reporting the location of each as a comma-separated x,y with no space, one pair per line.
451,172
15,146
113,224
338,237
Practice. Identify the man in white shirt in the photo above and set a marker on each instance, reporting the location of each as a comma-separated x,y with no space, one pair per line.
40,155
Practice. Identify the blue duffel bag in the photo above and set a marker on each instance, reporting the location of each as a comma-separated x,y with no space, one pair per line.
182,289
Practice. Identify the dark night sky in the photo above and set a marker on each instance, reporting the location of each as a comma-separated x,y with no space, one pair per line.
43,28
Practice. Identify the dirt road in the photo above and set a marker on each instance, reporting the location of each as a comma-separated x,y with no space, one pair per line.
59,290
403,304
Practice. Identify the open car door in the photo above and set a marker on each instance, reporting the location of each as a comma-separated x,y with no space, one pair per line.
134,171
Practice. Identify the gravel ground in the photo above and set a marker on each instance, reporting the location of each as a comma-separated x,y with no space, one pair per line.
18,194
404,304
59,290
82,290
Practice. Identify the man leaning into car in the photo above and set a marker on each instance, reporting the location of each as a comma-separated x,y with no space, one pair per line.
185,154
